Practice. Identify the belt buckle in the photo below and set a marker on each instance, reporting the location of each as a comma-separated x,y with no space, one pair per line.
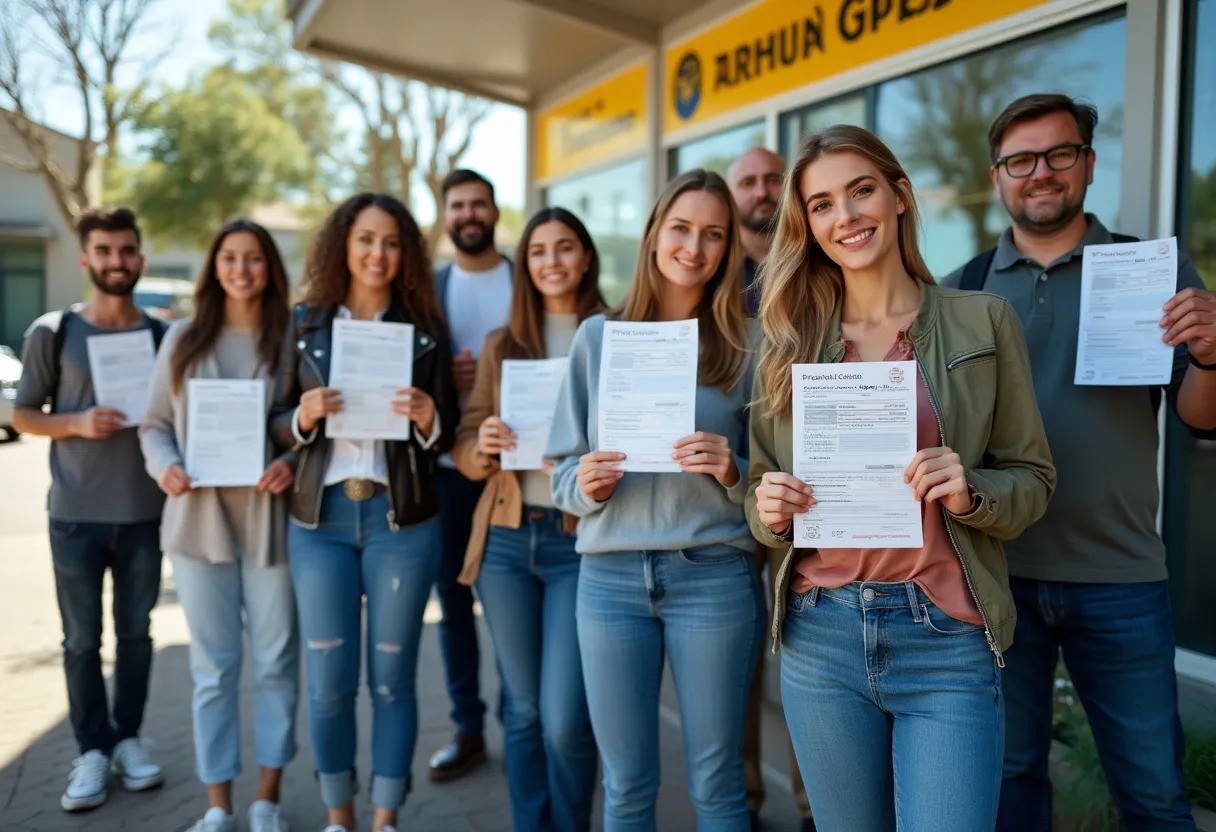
359,490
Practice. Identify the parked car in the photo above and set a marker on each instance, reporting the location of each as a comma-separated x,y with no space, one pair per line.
10,375
167,298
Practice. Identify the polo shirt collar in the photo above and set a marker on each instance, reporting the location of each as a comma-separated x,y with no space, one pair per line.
1007,254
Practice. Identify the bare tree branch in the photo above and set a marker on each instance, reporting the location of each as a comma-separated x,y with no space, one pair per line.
90,39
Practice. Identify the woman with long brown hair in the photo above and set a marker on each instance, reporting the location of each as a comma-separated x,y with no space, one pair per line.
363,511
521,554
891,657
667,565
227,545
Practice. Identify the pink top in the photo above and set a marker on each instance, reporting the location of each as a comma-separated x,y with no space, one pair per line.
935,567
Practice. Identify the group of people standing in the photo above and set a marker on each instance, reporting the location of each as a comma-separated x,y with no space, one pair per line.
916,682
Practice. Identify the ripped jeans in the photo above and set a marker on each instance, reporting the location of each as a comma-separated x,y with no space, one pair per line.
353,554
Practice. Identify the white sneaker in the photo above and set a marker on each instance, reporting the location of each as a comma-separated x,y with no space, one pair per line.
137,769
335,827
388,829
215,820
87,782
265,816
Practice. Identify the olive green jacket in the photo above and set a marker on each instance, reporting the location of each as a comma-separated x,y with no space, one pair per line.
972,354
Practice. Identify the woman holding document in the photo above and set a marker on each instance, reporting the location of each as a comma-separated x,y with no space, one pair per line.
521,553
667,554
891,656
363,511
210,393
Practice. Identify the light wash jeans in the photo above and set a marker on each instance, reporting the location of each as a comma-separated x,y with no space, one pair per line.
895,711
351,555
214,596
528,586
702,609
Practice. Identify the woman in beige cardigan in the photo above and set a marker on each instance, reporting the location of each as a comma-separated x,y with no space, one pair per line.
227,544
521,553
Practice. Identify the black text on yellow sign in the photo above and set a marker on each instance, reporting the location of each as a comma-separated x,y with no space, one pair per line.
603,122
779,45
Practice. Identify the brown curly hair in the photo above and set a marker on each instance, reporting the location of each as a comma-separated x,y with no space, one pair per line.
327,276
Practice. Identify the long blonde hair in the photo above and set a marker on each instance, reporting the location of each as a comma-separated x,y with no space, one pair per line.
721,316
801,287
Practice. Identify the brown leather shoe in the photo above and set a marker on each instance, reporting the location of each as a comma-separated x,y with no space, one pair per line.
458,756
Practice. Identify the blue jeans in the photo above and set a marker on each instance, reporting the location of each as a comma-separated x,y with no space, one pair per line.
703,609
1118,644
351,555
81,553
894,708
458,498
528,586
220,600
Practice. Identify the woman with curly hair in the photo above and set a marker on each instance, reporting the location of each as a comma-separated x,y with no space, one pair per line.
363,512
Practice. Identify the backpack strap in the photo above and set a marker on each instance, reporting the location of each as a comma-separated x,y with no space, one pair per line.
975,273
61,335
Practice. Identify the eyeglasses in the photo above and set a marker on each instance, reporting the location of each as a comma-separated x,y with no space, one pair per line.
1060,157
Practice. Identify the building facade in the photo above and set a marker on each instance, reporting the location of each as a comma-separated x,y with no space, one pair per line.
39,255
621,95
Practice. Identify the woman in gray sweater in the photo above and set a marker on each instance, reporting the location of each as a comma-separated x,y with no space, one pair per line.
226,545
667,567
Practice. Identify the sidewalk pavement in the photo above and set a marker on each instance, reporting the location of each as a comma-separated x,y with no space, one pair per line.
36,745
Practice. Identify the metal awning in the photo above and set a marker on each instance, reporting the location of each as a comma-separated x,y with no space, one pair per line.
507,50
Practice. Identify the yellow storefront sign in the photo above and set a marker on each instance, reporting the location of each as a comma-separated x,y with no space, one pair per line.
605,121
779,45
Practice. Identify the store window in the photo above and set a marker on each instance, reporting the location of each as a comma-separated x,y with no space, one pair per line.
716,152
612,204
1190,467
22,289
794,125
936,121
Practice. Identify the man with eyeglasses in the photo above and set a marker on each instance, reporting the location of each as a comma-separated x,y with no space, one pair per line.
1089,579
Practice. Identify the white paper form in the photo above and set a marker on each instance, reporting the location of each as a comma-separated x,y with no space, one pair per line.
1123,289
648,391
225,431
121,366
370,362
527,400
854,434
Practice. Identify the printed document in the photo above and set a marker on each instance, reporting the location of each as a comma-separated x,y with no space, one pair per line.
854,434
528,397
1123,289
648,391
225,431
371,361
121,366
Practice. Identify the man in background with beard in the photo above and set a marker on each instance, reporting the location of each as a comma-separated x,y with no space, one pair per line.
103,508
1089,579
475,294
755,182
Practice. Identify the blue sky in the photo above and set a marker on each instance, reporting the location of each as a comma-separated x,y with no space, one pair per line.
497,149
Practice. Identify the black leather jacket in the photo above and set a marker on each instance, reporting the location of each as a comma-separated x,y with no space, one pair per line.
304,365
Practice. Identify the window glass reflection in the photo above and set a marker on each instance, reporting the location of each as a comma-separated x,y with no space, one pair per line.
612,204
936,122
795,125
716,152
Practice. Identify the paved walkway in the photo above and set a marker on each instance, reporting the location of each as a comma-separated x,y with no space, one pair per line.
36,746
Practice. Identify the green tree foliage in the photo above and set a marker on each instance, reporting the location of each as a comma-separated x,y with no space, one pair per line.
215,151
254,41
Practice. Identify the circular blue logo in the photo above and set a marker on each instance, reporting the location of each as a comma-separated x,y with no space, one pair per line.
687,85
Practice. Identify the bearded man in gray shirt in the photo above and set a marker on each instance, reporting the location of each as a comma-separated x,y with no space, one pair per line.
104,511
1089,578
